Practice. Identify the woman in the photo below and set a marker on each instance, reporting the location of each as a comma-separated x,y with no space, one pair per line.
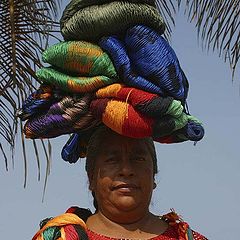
114,67
121,174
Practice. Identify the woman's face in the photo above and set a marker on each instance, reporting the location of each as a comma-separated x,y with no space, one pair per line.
123,176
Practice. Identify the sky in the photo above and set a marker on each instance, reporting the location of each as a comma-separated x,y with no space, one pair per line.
200,182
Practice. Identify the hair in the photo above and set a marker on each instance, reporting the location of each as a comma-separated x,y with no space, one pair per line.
94,148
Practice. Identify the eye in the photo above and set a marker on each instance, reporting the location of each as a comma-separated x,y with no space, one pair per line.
110,160
140,159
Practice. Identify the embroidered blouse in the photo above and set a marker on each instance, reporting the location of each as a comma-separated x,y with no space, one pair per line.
70,225
170,234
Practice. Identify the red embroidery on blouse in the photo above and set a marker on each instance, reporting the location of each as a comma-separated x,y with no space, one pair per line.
177,230
170,234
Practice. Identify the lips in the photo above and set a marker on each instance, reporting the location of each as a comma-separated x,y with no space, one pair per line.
125,186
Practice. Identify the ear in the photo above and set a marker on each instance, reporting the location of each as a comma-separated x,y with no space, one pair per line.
91,188
91,181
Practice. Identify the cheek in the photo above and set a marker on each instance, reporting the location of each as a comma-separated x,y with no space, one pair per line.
146,171
100,178
147,178
103,184
102,192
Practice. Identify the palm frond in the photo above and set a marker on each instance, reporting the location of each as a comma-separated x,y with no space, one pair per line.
218,25
167,10
26,26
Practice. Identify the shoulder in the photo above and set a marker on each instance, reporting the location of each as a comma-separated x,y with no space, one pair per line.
70,225
198,236
181,227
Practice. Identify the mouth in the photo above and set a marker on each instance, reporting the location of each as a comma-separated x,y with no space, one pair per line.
124,186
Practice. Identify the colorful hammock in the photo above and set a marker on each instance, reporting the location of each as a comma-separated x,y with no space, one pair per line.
128,111
77,66
144,59
68,115
76,5
91,22
80,57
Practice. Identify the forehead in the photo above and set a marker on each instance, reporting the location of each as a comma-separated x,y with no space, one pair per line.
116,143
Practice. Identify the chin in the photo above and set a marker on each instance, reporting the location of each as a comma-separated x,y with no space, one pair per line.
126,204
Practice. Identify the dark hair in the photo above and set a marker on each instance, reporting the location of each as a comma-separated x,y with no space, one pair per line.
94,148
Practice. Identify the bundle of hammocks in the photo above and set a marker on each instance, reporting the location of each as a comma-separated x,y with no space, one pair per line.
114,67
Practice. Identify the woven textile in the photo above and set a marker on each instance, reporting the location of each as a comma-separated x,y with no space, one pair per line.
66,226
38,101
128,111
76,5
95,21
80,57
77,66
70,83
76,146
192,131
72,150
145,60
69,115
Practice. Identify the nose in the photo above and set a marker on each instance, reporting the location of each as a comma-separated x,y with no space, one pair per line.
126,168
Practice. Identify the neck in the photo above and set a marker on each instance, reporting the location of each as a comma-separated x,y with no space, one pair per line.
130,222
122,214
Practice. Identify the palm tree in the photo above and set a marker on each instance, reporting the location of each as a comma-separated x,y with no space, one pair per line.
27,25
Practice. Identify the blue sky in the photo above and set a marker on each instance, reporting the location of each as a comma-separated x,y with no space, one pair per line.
200,182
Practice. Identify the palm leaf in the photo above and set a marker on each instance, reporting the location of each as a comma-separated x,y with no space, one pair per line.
167,10
218,25
26,26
